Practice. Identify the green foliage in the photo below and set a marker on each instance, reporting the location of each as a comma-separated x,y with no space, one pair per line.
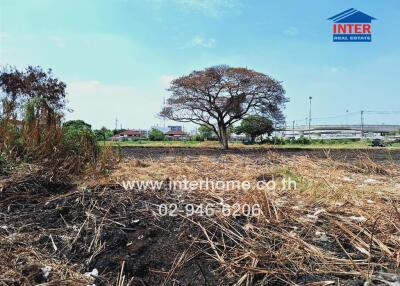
274,141
205,131
197,137
156,135
255,125
3,164
117,131
302,140
78,135
103,134
77,124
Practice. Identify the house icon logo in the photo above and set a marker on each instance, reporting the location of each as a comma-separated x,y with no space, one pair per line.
352,26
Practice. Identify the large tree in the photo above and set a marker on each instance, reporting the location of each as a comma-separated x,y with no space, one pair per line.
255,125
34,86
220,96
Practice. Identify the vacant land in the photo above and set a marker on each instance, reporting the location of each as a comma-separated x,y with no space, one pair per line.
215,144
382,155
338,224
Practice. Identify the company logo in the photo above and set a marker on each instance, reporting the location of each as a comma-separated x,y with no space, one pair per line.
352,26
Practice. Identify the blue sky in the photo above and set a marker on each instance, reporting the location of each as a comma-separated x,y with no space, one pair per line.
118,56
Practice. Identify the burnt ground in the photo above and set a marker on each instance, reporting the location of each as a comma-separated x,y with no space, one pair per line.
75,230
346,155
95,228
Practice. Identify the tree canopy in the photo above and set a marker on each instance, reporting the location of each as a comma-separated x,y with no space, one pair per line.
32,84
220,96
255,125
156,135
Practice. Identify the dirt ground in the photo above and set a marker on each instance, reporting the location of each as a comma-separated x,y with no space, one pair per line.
339,226
345,155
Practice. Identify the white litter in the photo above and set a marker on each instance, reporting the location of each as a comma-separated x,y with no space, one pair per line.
321,236
135,221
319,211
347,179
46,271
371,181
358,218
313,217
370,201
94,273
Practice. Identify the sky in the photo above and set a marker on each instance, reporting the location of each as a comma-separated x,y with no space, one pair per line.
118,57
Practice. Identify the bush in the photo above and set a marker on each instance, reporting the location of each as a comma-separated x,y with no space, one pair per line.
3,164
302,140
274,141
80,139
156,135
197,137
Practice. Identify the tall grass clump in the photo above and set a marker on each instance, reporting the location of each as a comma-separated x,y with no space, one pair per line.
32,108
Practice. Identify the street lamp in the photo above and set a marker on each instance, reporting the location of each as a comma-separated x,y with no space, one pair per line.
309,119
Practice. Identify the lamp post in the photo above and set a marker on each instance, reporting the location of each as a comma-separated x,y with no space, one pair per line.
293,129
309,119
362,124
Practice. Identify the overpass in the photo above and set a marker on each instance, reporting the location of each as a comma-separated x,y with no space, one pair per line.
352,127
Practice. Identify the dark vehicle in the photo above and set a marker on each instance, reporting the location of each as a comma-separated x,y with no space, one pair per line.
378,143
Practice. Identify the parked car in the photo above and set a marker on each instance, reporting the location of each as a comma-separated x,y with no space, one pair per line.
378,143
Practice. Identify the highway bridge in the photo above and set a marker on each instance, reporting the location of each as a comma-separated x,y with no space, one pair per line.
340,128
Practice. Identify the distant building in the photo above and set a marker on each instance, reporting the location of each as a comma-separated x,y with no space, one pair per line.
176,135
130,134
173,132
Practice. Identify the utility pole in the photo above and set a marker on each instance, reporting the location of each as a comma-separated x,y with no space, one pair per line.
347,117
164,116
362,124
309,119
116,123
293,129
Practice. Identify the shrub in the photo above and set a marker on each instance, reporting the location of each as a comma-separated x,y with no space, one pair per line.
79,139
156,135
302,140
197,137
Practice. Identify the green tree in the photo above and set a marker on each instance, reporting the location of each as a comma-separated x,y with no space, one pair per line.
77,124
79,136
156,135
206,131
103,133
255,125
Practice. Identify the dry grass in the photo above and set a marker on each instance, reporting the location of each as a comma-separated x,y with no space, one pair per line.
340,223
343,218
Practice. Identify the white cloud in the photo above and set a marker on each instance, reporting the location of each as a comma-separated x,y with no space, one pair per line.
166,80
211,8
204,42
99,103
60,43
100,90
291,31
334,69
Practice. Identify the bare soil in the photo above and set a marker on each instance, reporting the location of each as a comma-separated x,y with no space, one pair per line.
347,155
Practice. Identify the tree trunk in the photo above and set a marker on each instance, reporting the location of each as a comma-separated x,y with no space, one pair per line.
224,137
252,139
